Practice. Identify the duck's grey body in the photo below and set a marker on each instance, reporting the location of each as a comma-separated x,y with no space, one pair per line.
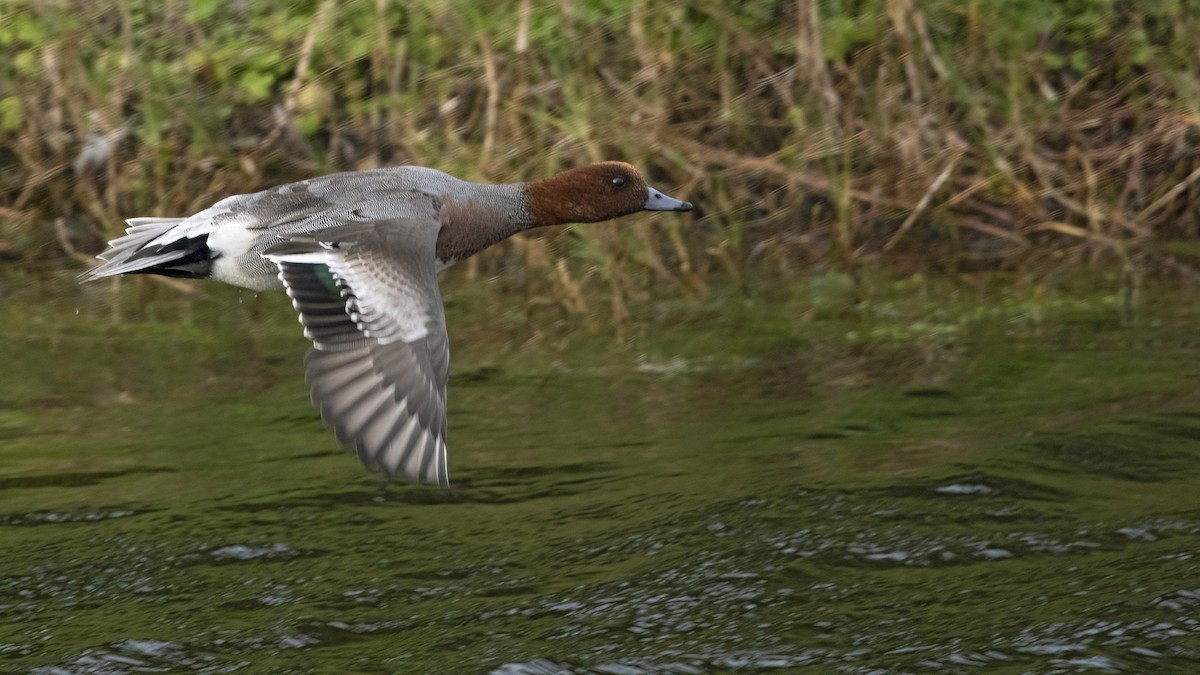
359,255
237,229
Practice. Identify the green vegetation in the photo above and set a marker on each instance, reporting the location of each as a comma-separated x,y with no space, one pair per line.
935,135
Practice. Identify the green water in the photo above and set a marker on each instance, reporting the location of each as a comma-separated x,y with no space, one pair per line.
916,477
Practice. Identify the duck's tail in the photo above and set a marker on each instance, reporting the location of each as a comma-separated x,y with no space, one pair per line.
145,250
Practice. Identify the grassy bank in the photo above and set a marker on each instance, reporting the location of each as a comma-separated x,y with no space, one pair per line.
940,134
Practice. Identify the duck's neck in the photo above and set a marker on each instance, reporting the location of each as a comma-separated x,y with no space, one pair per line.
486,215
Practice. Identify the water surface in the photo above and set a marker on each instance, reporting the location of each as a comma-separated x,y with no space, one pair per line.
945,483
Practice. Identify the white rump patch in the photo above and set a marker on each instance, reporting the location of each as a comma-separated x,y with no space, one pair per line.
231,239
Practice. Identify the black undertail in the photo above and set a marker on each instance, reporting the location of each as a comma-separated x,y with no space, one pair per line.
194,262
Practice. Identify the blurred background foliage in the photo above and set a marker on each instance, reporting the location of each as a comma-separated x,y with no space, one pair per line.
918,135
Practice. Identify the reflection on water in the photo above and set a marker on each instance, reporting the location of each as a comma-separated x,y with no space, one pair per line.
171,503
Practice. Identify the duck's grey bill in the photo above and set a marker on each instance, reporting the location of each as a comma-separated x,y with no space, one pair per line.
657,201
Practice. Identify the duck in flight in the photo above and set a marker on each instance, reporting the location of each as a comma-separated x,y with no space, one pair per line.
359,253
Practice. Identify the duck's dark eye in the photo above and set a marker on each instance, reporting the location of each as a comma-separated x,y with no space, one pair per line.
618,182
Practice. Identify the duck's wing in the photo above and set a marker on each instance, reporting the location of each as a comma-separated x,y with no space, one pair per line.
368,298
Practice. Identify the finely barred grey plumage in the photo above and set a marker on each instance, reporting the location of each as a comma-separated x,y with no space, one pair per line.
381,359
359,253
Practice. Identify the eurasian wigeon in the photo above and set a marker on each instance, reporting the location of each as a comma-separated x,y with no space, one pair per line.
359,254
